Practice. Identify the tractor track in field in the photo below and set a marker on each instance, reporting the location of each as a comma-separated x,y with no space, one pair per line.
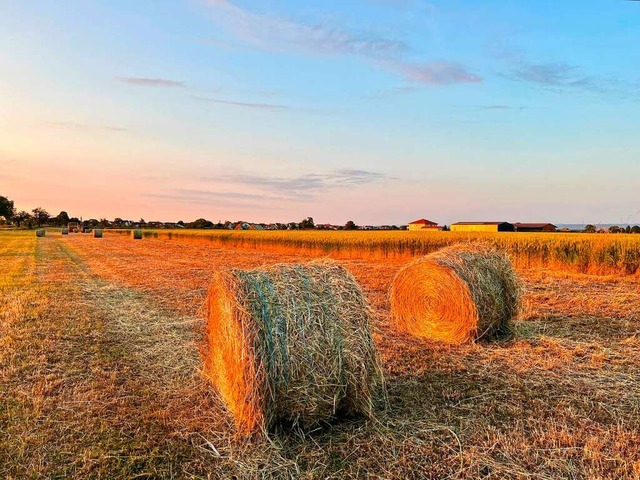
159,341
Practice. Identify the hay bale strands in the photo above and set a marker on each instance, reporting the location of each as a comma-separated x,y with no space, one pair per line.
455,295
40,232
291,345
97,233
65,231
136,234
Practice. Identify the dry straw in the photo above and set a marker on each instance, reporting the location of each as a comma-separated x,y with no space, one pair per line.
97,233
40,232
136,234
457,294
291,345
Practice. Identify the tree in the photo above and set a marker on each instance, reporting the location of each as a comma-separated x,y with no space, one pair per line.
590,229
62,218
7,209
350,225
40,215
635,229
307,224
614,229
21,217
201,223
627,229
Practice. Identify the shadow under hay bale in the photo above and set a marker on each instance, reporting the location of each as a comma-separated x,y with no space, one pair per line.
97,233
455,295
136,234
40,232
291,345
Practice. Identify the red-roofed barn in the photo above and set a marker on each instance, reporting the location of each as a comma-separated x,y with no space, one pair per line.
424,224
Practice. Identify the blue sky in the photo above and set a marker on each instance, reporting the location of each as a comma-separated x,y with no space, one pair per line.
380,111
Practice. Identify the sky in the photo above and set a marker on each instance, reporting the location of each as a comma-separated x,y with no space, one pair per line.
376,111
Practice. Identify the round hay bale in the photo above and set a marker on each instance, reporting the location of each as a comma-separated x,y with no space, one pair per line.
65,231
136,234
455,295
40,232
291,345
97,233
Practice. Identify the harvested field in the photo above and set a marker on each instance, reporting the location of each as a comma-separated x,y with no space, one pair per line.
100,375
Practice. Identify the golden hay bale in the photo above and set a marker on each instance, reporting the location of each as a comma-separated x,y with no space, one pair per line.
40,232
457,294
97,233
291,345
65,231
136,234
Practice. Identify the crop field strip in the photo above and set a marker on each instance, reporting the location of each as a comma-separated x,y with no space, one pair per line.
576,252
560,399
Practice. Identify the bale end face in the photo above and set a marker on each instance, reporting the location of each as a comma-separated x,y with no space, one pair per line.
97,233
136,234
40,232
291,345
65,231
455,295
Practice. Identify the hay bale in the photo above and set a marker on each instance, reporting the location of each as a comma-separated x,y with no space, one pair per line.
291,345
97,233
65,231
40,232
457,294
136,234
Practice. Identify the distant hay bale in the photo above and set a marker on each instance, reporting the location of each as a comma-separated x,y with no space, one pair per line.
136,234
458,294
65,231
40,232
291,345
97,233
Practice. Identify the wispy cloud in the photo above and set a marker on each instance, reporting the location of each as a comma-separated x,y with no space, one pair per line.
500,107
275,33
218,198
307,185
436,73
151,82
395,3
562,76
272,33
256,106
84,126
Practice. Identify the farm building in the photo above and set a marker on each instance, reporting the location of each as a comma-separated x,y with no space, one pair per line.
482,227
535,227
424,224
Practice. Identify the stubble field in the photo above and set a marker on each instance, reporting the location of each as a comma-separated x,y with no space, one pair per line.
100,374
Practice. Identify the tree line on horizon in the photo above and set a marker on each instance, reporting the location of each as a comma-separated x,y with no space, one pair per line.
40,217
